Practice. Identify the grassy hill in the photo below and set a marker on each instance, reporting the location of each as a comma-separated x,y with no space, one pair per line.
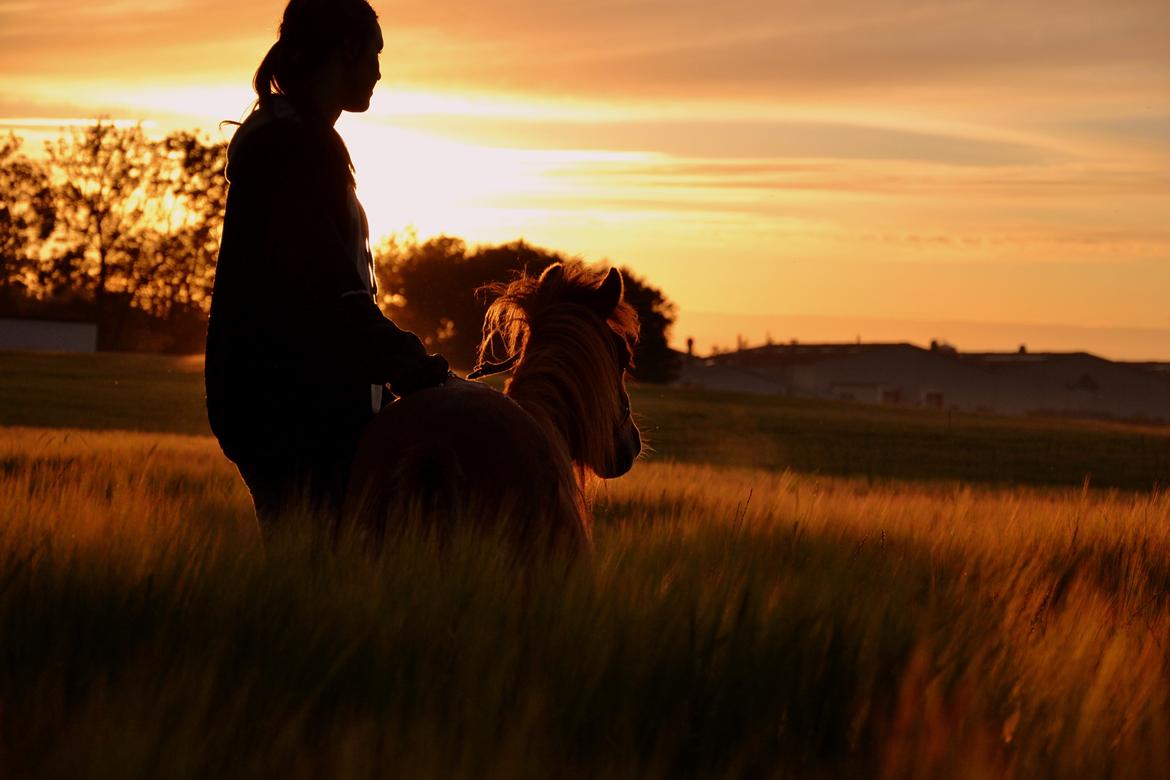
165,395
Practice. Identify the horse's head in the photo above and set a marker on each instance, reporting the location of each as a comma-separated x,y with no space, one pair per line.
608,299
570,334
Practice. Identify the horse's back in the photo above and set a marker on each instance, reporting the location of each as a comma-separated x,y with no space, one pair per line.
461,454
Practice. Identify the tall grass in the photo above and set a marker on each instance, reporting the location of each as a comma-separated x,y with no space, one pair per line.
733,622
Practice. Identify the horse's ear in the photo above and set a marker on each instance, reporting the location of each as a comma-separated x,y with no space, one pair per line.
553,274
611,290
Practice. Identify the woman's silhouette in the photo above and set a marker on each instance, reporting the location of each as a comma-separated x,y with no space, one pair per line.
298,352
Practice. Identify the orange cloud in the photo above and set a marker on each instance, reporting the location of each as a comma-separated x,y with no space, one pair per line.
980,159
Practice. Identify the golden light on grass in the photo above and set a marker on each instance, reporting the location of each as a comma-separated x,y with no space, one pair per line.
902,629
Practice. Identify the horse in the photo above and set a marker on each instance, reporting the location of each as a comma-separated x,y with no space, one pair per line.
517,462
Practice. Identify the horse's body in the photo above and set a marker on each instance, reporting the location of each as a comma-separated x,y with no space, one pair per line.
465,455
453,455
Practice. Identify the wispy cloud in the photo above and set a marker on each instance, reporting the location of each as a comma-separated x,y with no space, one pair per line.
706,137
786,50
766,49
980,158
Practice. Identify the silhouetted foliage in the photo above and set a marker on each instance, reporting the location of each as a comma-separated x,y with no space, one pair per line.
27,215
431,289
654,360
138,216
114,227
106,190
177,268
122,229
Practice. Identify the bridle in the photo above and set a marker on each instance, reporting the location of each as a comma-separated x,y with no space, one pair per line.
625,411
624,359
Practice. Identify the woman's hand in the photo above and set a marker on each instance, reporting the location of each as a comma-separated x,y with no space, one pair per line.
418,373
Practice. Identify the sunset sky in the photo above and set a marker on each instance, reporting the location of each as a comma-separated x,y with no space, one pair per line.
989,173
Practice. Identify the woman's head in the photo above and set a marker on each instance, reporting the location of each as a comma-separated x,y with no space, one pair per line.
323,42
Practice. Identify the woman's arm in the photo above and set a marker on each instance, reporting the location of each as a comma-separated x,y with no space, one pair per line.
314,267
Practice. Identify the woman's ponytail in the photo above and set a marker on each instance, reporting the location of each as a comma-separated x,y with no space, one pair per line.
266,81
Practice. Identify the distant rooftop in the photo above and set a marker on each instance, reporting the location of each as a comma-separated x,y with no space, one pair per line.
799,352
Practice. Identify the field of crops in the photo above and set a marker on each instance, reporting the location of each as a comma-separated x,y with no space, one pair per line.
757,606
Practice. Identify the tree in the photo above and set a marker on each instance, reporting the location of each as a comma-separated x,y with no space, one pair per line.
434,287
174,258
107,192
431,289
27,215
654,360
425,290
138,222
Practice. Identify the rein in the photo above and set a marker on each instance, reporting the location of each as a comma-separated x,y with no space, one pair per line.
486,368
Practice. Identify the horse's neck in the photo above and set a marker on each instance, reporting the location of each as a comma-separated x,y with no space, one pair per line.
543,399
539,395
555,381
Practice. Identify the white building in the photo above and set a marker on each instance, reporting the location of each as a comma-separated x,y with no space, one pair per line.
21,335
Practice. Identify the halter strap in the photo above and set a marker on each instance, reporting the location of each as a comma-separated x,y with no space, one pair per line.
486,368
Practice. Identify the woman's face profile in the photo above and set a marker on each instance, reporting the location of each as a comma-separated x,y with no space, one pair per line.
363,74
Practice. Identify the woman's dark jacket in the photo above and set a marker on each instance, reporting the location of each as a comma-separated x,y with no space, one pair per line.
295,340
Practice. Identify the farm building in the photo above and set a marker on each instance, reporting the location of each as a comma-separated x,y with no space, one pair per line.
1074,384
34,335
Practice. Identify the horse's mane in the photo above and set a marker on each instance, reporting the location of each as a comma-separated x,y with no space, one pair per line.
562,342
524,300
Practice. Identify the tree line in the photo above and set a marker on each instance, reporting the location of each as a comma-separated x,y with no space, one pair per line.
116,227
431,289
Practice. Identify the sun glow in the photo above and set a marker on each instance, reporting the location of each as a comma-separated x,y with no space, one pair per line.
750,163
412,179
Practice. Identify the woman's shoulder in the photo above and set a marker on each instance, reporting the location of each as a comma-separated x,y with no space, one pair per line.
262,142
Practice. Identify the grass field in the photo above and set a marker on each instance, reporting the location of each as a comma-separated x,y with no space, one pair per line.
160,394
766,620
